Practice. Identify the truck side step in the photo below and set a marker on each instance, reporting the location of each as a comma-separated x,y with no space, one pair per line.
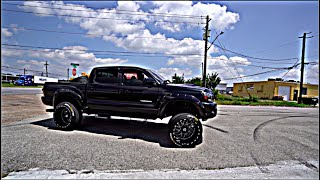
49,110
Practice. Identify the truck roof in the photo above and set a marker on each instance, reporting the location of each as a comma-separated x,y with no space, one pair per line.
119,67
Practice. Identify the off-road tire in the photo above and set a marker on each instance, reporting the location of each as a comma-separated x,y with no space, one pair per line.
185,130
67,116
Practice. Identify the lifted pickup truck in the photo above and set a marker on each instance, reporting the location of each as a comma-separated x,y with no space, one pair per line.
132,92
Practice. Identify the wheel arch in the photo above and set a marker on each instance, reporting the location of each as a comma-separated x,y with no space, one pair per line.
184,103
68,95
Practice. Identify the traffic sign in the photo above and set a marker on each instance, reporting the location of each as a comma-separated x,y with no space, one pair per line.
74,71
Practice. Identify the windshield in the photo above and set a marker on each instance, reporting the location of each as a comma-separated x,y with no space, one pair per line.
156,75
21,78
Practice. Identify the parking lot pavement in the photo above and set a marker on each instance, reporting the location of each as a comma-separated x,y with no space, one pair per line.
17,107
240,136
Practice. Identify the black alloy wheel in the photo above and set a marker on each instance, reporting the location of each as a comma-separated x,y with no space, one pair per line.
185,130
67,116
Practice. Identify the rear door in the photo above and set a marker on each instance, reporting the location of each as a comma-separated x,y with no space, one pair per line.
103,90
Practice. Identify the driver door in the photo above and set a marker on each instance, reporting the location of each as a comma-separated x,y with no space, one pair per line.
135,94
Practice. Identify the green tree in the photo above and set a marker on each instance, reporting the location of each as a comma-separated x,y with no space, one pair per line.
178,79
195,80
213,80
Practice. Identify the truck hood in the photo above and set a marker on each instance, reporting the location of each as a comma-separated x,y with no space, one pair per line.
190,87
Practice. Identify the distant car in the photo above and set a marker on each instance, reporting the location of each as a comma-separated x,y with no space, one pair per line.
26,80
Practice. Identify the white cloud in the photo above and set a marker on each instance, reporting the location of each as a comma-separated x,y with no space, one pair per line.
37,7
221,19
10,52
134,26
5,32
169,72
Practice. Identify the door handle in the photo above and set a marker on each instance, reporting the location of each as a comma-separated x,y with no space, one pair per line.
124,91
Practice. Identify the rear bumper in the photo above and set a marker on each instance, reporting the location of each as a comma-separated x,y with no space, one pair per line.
209,110
47,100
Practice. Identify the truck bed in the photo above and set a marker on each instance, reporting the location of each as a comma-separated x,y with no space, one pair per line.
50,88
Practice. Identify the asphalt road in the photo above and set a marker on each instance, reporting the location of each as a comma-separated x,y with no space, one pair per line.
8,90
239,136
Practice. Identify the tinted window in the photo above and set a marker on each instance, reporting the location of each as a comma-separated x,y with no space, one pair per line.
134,77
107,76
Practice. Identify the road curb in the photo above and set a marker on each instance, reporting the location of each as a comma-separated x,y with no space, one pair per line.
279,170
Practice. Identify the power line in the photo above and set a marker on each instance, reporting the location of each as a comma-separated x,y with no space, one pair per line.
69,49
30,70
264,67
256,74
283,45
262,59
105,54
78,33
88,10
232,64
294,65
313,70
64,15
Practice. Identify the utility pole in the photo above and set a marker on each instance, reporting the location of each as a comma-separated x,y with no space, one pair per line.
202,68
46,64
205,38
24,71
68,74
302,65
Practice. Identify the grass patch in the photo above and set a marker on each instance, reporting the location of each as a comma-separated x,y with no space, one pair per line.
254,101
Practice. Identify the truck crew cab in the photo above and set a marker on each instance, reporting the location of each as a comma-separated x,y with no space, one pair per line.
133,92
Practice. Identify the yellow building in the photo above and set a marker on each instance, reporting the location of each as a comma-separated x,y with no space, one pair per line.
272,88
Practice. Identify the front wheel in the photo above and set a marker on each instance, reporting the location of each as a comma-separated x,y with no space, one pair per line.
185,130
67,116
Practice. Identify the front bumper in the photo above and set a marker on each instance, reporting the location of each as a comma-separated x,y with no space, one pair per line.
209,110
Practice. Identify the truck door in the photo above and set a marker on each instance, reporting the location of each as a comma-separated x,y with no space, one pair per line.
103,90
135,94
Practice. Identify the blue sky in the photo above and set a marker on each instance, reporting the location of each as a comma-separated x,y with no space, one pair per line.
268,30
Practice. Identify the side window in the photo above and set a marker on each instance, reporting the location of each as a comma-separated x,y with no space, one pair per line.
134,78
107,76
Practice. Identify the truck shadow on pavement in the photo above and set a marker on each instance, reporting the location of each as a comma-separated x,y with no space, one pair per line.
143,130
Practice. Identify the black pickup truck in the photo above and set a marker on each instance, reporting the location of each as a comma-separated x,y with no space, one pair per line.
132,92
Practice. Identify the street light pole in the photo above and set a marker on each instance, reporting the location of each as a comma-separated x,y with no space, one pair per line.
205,59
215,39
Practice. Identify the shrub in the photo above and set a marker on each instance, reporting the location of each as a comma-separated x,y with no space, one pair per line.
277,98
254,99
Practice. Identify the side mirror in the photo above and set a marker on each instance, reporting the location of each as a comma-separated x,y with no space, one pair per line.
149,82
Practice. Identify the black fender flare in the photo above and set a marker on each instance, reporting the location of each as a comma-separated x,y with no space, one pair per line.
170,98
64,93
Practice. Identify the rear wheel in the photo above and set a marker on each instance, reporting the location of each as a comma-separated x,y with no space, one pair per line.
185,130
67,116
